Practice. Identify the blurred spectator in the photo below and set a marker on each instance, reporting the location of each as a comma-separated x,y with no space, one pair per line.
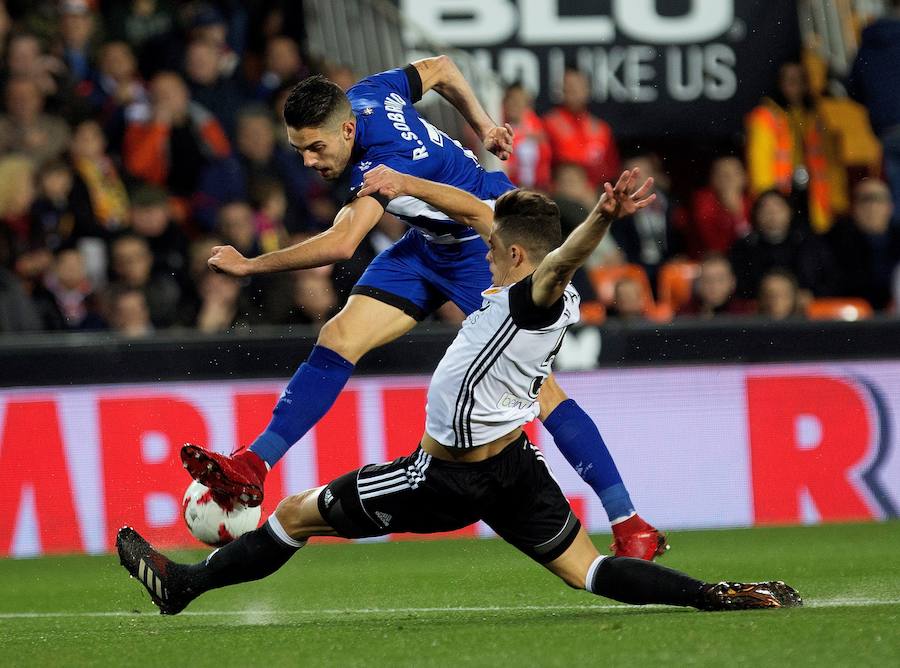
210,26
575,197
128,313
209,86
714,292
775,242
648,238
119,83
789,149
67,299
171,142
150,220
149,27
132,267
315,300
17,195
77,27
25,128
720,213
283,66
62,210
199,252
875,81
96,170
17,311
263,159
529,164
218,308
628,301
779,296
578,136
270,207
237,228
866,246
341,75
25,58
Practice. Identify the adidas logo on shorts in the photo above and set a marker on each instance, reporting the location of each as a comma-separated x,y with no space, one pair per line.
384,517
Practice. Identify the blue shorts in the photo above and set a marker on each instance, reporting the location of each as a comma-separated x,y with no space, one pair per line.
418,276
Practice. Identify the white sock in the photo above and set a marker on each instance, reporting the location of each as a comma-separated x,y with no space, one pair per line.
281,534
592,570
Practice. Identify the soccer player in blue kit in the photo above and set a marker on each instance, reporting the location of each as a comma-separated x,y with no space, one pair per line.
438,259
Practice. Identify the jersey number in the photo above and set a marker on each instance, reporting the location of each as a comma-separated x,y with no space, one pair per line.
539,380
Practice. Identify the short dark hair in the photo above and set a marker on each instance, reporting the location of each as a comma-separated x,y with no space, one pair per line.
780,272
313,102
529,219
763,196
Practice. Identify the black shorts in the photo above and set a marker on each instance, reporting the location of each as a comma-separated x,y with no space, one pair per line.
513,492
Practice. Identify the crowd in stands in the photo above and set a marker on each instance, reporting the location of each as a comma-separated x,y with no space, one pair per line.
137,135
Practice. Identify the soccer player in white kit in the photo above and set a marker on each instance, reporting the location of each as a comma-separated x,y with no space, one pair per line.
474,462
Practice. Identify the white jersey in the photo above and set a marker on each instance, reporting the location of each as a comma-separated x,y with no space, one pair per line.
487,383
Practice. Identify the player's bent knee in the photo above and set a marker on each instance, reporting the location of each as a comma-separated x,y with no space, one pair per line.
299,513
348,342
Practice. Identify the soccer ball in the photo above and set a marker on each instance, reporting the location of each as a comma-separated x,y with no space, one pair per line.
213,523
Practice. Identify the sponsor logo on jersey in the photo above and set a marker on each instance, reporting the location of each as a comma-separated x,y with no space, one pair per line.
508,401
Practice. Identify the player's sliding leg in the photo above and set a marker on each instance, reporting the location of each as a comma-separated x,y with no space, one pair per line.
641,582
580,442
253,556
363,324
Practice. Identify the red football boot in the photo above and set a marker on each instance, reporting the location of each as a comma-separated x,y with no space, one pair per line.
238,477
635,538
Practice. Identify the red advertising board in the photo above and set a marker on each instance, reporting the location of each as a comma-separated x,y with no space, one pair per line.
697,446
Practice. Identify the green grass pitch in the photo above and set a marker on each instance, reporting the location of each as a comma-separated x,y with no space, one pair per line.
467,602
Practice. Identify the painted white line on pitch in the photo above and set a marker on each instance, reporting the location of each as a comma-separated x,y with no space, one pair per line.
318,612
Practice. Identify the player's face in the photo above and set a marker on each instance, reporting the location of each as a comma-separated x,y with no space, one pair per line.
498,258
325,149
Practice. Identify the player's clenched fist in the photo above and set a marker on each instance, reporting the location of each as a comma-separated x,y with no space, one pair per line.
227,260
385,181
499,141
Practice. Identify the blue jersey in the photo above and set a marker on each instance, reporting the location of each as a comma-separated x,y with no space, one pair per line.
390,132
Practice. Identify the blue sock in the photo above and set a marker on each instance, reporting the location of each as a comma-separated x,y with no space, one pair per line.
578,438
308,396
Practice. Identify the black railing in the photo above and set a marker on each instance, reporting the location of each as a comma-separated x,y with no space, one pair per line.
77,359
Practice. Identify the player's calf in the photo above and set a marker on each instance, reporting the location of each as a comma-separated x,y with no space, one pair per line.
640,582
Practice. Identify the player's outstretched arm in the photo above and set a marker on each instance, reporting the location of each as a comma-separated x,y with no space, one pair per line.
459,205
351,224
556,270
442,74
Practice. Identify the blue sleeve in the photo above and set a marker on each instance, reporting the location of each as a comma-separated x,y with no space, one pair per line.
402,80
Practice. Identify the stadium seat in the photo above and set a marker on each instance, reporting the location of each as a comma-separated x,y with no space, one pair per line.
604,279
838,308
592,313
675,283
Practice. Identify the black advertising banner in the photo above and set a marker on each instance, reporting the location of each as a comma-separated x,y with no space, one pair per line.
658,68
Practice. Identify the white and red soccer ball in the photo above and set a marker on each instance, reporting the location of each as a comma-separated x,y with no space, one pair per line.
213,523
